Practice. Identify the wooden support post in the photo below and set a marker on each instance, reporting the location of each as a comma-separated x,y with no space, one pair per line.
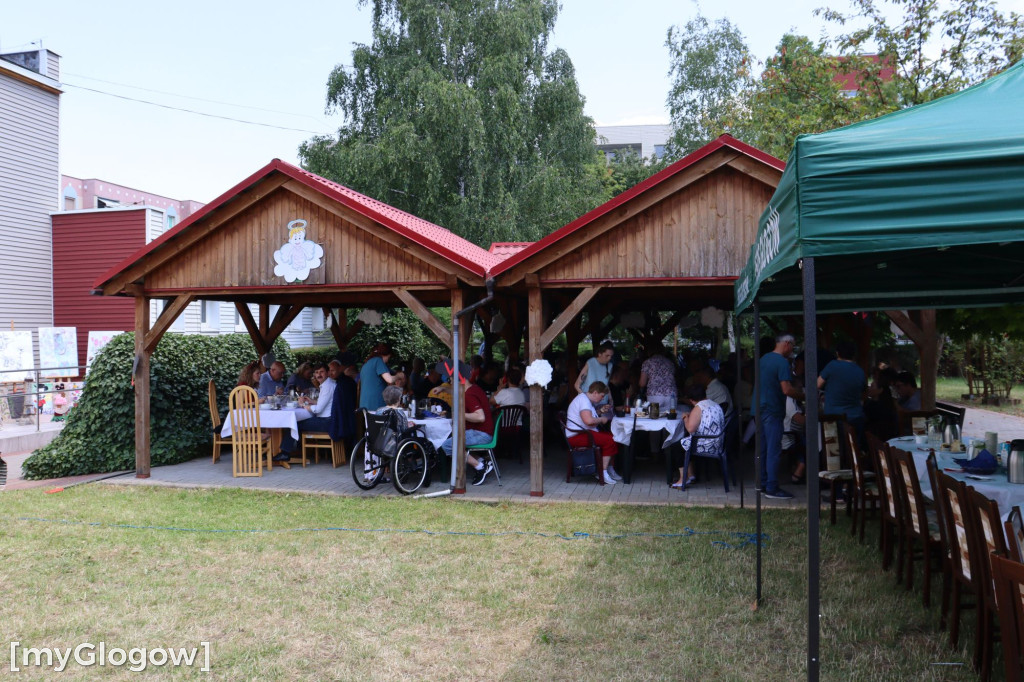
285,315
264,322
141,379
923,333
253,328
571,312
535,352
459,420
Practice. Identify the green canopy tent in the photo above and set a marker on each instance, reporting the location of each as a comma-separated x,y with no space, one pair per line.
922,208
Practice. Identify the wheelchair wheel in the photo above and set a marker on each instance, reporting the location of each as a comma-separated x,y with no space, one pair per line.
367,469
410,467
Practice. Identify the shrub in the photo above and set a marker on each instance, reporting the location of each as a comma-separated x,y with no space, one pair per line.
99,435
315,354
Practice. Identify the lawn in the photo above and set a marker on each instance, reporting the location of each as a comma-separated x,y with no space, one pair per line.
475,600
951,388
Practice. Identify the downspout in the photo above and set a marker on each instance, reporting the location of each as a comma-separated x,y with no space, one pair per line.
456,377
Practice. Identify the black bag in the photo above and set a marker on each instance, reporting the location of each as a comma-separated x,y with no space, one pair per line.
583,463
386,441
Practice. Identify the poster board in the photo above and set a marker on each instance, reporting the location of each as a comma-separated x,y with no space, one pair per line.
15,356
97,340
58,351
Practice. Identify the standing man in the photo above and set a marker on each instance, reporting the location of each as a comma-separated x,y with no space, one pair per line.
776,386
272,381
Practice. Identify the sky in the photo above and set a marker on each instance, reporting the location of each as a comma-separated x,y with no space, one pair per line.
267,63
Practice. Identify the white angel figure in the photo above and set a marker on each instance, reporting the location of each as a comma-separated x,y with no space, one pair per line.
298,256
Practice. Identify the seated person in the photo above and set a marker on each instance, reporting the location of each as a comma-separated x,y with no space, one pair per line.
715,390
319,375
509,392
393,406
320,422
250,375
272,382
479,426
704,419
880,407
442,393
301,381
906,389
583,416
426,382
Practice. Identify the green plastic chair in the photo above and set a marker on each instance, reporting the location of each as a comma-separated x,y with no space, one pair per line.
489,446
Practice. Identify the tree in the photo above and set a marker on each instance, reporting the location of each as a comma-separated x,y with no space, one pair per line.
629,168
710,71
459,114
987,345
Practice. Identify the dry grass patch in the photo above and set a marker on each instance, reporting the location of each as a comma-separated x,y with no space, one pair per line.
389,605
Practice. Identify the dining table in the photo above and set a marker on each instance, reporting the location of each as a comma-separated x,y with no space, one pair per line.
994,486
275,420
437,429
624,427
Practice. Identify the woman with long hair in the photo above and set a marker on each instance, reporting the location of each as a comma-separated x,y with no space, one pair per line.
250,375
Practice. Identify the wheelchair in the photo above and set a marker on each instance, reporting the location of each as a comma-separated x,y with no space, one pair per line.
409,458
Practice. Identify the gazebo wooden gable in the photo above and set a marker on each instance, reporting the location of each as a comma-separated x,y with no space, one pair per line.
675,242
373,256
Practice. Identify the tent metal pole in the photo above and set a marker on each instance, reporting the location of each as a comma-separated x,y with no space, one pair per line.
736,408
813,465
756,404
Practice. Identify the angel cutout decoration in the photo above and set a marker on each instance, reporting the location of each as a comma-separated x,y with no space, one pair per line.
298,256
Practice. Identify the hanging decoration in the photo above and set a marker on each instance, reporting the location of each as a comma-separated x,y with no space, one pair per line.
298,256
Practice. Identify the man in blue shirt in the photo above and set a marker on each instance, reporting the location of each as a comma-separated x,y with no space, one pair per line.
776,384
844,383
272,381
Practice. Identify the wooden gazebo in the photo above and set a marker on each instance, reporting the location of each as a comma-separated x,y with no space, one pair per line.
676,242
356,252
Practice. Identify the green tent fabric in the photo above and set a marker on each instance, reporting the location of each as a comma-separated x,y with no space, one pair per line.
921,208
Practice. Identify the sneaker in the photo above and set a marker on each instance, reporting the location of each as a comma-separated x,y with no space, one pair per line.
613,473
778,494
282,457
481,474
608,480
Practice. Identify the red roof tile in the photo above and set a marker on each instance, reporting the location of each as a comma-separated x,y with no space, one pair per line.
506,249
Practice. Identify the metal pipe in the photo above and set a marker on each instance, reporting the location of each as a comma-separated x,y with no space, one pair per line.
755,403
813,500
456,377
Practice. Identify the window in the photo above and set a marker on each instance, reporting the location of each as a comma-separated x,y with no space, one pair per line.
209,316
659,151
69,203
172,217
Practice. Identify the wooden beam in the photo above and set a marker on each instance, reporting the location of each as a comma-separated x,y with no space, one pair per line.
167,317
668,325
188,237
536,352
254,331
264,322
573,309
769,175
141,380
924,334
284,317
459,420
426,317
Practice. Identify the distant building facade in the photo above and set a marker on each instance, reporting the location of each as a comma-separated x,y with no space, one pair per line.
30,92
645,140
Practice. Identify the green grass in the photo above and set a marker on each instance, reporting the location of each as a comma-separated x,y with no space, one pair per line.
952,388
387,605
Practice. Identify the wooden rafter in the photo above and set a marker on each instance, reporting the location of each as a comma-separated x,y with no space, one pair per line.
167,317
425,316
570,312
253,328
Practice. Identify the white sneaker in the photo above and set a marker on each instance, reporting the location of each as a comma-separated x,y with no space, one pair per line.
608,480
613,473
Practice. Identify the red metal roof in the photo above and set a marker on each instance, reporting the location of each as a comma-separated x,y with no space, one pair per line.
433,237
506,249
656,179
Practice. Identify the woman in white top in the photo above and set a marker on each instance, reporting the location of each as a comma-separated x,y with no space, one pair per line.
704,419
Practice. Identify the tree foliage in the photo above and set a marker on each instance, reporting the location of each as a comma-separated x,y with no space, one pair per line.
710,72
629,168
458,113
987,346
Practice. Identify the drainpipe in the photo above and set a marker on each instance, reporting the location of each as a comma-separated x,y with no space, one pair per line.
456,377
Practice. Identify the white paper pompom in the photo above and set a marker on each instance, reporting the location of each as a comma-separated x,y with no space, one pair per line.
712,317
370,317
538,373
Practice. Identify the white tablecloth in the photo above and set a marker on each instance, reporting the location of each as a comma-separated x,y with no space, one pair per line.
622,427
275,419
437,430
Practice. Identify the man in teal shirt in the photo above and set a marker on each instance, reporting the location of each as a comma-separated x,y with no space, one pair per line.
776,384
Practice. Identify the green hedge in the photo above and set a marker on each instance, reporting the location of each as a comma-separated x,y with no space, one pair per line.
315,354
99,435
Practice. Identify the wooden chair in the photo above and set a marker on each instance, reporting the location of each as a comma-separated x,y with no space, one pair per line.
249,447
966,574
988,533
514,423
831,428
1014,526
865,488
490,445
891,519
1008,578
218,441
945,539
312,443
591,449
917,523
